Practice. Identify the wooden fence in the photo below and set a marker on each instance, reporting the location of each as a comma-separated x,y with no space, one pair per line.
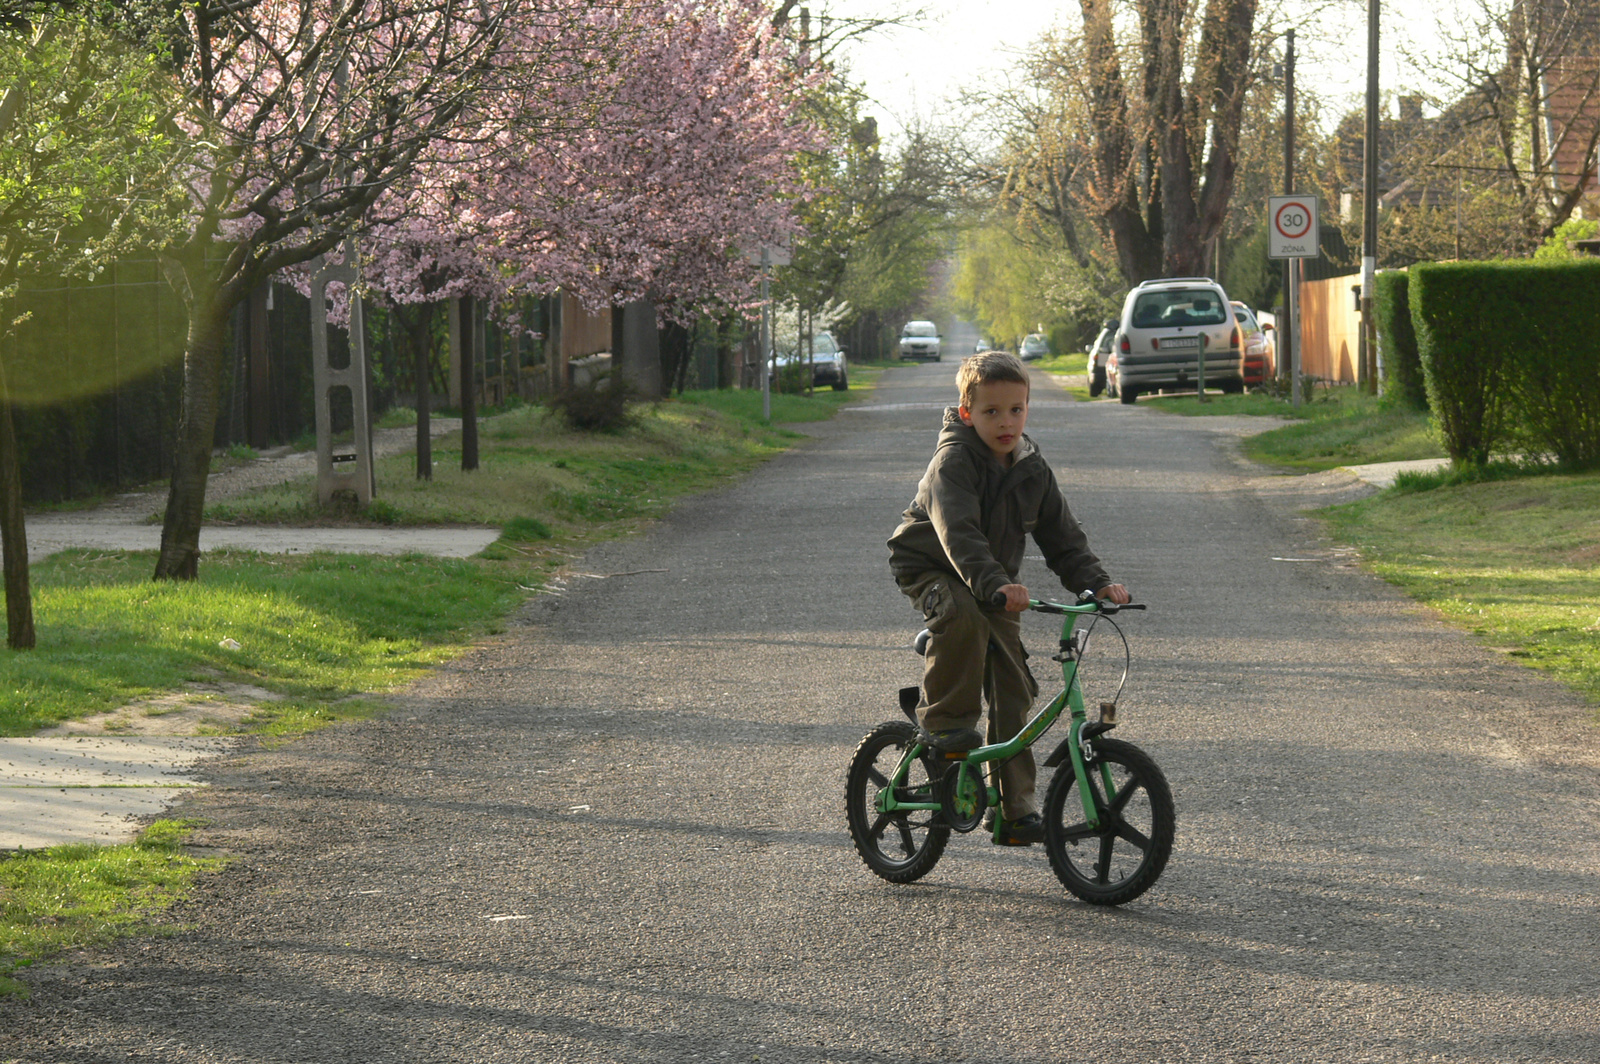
1330,329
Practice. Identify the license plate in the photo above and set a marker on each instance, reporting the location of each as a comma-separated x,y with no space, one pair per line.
1180,341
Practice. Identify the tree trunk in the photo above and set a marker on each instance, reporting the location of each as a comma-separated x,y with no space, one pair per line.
13,533
416,323
197,421
467,314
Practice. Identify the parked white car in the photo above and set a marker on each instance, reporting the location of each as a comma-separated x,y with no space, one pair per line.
1169,328
920,340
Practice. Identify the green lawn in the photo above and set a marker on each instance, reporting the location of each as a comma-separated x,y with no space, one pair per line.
323,630
1334,427
70,897
1516,562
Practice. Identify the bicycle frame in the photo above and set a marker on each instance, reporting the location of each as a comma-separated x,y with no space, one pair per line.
1070,699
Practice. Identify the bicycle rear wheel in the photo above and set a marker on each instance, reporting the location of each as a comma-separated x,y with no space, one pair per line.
900,847
1119,860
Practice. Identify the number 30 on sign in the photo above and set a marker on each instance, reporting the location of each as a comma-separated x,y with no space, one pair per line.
1292,228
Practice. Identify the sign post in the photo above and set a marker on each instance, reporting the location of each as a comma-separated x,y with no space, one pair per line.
1294,233
767,256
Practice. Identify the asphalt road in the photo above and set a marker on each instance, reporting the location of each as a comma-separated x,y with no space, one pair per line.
616,833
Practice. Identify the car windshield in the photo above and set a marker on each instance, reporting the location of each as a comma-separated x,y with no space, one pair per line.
1183,306
920,328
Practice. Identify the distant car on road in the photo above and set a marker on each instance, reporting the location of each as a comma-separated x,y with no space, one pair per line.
828,361
1034,347
920,340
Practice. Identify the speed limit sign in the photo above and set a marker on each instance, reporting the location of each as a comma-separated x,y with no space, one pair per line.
1292,230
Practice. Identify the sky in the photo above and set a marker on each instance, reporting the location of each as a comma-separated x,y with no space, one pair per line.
914,71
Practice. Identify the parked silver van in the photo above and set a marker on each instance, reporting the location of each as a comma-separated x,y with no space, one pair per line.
1167,327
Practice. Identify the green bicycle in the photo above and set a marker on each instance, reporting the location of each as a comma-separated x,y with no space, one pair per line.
1109,821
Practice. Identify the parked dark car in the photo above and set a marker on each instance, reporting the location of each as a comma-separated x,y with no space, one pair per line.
828,361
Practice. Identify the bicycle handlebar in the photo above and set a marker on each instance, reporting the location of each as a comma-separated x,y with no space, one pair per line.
1087,603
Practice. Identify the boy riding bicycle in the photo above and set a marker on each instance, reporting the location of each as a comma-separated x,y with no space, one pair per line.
959,547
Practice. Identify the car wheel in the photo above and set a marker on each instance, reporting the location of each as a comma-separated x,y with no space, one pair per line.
1233,387
1097,383
842,384
1129,396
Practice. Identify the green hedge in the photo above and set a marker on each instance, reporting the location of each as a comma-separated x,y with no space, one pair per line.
1397,340
1511,355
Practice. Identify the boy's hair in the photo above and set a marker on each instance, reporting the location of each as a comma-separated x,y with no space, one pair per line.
986,368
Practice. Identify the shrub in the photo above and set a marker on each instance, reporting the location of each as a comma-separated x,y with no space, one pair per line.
525,529
1554,360
598,406
793,377
1397,340
1461,317
1511,354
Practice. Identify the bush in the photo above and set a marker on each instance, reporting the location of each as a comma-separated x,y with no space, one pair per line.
1511,355
1462,320
597,406
1554,365
1397,340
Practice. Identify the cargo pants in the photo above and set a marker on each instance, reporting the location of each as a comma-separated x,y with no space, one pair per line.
976,656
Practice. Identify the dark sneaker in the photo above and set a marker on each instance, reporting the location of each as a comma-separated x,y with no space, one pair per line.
955,740
1023,831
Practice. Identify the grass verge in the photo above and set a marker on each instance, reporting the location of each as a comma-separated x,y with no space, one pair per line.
1514,561
1070,363
70,897
319,632
315,630
1335,427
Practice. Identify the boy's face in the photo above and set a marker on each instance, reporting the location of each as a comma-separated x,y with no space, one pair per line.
999,412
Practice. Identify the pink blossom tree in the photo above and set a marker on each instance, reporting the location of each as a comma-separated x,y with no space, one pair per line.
313,112
686,157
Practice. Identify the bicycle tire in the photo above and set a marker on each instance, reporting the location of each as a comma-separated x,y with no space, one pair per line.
921,834
1134,840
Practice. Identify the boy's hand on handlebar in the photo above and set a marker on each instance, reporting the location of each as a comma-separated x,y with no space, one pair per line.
1016,597
1115,593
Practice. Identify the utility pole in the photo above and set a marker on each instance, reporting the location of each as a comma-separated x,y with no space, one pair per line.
1369,210
1286,337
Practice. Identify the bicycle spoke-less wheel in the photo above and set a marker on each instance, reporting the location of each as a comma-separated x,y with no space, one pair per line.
1120,859
900,847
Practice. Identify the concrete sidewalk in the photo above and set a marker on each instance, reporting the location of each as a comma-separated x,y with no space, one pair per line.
64,789
1382,474
49,533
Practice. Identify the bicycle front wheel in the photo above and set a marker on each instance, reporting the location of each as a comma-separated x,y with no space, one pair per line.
900,846
1124,855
